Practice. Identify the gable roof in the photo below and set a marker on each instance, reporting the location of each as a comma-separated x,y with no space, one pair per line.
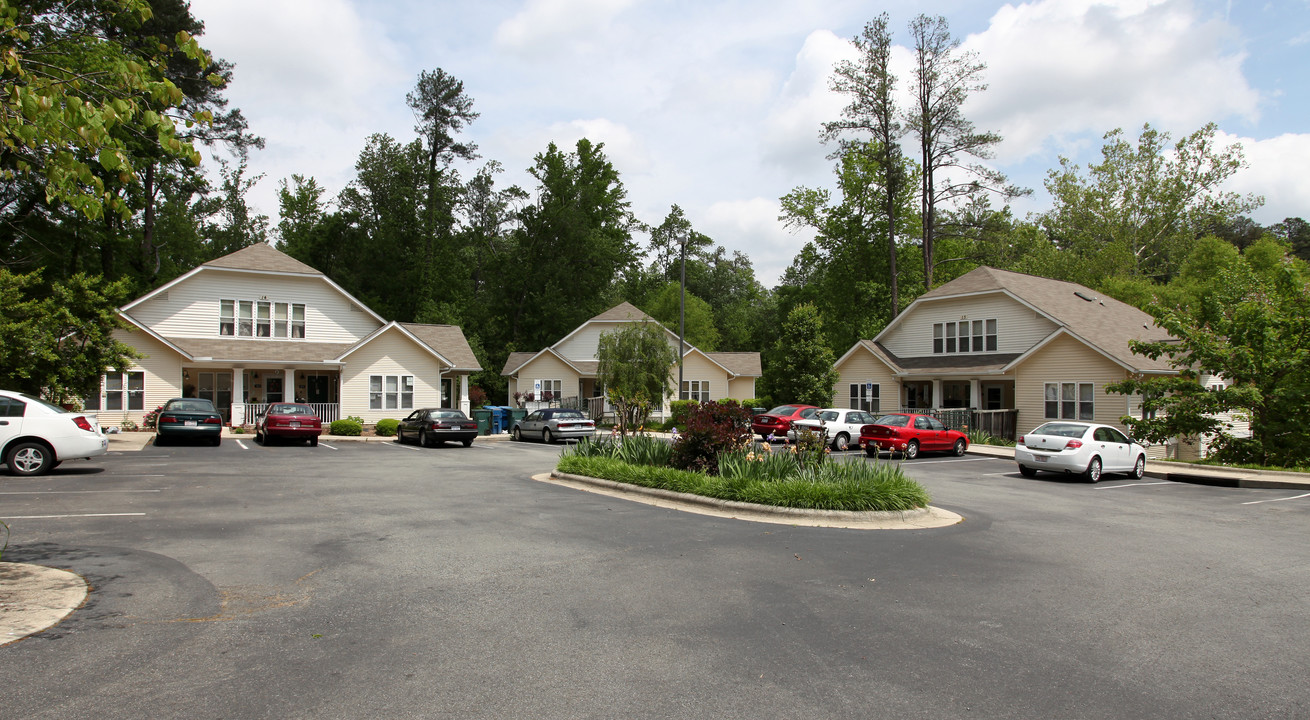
448,341
1095,319
262,257
738,363
623,312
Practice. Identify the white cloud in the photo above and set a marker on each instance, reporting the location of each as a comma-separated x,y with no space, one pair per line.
548,26
752,226
1058,68
1276,171
791,130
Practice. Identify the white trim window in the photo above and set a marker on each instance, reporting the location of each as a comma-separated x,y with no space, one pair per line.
698,390
551,390
1070,401
964,336
261,319
119,391
866,397
390,392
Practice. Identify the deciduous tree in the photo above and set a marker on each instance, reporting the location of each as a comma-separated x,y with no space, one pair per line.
634,364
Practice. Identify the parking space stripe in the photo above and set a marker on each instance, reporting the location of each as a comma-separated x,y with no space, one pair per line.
329,447
48,517
73,492
1116,487
243,445
397,445
1294,497
930,462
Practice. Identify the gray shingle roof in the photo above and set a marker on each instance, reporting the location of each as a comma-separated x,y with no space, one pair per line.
739,363
256,350
265,257
623,312
448,340
1101,321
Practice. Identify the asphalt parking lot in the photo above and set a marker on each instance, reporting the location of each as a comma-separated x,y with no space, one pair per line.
395,581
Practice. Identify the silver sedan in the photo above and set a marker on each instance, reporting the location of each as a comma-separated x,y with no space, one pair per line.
551,424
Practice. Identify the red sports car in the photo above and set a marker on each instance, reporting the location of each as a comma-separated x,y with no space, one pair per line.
777,421
289,420
911,434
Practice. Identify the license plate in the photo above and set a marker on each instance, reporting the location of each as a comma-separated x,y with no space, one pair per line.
1040,458
189,423
295,423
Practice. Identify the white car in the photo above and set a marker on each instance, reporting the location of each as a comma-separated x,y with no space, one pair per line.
36,436
1079,448
838,426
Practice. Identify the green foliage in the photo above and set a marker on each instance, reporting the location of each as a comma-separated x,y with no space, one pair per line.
1138,212
633,449
345,427
801,368
386,427
58,343
978,437
700,331
1247,321
633,363
678,410
810,449
712,428
238,430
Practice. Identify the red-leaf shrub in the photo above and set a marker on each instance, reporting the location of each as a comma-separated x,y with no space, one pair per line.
713,428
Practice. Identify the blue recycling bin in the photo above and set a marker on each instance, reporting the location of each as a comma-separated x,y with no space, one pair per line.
506,414
497,422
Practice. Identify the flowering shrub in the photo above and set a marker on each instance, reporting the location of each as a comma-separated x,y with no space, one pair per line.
810,449
151,418
477,396
713,428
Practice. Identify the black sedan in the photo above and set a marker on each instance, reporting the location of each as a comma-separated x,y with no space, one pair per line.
434,426
189,418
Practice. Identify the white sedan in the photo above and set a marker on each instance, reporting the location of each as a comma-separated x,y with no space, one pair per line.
1078,448
35,436
838,426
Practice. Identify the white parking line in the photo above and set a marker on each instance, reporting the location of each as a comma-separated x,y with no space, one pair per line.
73,492
1116,487
243,445
329,447
47,517
930,462
397,445
1294,497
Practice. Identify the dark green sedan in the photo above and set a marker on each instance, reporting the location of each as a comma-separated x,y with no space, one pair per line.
189,418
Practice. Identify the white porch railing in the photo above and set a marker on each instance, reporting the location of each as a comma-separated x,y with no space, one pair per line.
327,412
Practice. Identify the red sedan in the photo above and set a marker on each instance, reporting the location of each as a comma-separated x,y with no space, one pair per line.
777,421
289,420
911,434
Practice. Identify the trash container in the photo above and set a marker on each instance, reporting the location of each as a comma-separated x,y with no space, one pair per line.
506,415
483,416
516,416
497,426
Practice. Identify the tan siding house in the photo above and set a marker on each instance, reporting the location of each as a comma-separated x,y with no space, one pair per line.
1010,350
567,369
257,326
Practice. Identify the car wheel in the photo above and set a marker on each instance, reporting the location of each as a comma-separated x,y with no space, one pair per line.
1139,469
1026,471
30,458
912,450
423,438
467,443
1093,473
960,447
517,434
159,440
400,436
545,436
313,442
841,442
871,451
217,441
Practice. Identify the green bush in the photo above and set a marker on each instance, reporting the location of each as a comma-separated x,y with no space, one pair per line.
713,428
345,427
634,449
678,410
387,427
751,403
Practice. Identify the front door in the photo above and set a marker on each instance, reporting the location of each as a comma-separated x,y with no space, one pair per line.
273,389
317,389
918,395
446,393
216,387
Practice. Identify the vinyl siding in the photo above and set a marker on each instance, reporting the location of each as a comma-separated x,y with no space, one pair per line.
1066,360
547,367
392,354
163,376
861,367
1018,327
190,308
586,342
742,388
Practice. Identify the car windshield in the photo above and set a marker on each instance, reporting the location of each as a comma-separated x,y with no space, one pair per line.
1068,430
893,420
290,410
829,415
782,410
190,406
42,403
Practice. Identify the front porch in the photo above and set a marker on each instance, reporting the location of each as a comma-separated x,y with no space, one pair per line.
972,405
242,394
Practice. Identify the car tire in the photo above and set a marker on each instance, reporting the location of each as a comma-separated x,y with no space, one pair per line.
842,442
159,440
1139,468
546,436
467,443
517,434
1093,472
960,447
400,436
911,450
313,442
871,451
30,458
216,441
423,438
1026,471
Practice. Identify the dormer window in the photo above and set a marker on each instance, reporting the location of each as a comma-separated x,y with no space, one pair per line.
261,319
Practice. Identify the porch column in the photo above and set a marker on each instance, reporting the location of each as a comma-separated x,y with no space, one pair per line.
936,394
289,391
975,398
238,397
464,393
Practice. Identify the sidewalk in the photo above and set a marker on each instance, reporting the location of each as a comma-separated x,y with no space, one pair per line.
1190,473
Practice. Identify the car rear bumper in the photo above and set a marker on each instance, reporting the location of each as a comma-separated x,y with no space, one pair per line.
452,435
302,432
181,430
1054,462
83,445
574,433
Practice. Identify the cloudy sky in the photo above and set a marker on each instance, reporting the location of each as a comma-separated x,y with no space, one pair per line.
715,105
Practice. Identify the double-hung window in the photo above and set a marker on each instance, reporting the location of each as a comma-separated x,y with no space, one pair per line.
227,317
390,392
864,396
964,336
1070,401
261,319
119,391
698,390
551,390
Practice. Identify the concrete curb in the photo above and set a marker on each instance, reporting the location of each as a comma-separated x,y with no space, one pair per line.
929,517
35,598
